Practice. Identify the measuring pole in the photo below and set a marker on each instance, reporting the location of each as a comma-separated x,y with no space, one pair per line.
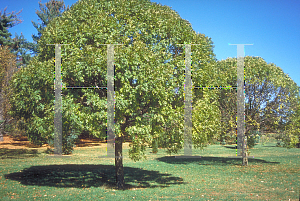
188,143
58,102
110,102
241,138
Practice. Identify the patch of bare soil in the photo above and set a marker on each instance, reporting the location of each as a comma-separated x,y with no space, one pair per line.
19,143
23,143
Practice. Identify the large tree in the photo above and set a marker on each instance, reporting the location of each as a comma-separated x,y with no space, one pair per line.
148,69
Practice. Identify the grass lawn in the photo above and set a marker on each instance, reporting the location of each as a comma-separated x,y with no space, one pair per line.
27,173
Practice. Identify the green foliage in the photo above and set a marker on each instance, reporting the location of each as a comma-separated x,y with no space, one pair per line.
291,135
251,141
154,146
206,119
35,103
253,138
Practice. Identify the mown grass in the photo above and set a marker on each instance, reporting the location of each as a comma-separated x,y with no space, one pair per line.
273,174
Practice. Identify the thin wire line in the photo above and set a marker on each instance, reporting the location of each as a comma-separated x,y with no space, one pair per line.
216,87
84,87
193,87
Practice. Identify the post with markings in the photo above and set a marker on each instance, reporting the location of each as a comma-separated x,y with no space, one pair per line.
241,141
188,143
113,142
110,102
58,102
111,137
188,103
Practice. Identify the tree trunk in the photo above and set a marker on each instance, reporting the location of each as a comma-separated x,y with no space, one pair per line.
119,163
155,146
1,115
245,154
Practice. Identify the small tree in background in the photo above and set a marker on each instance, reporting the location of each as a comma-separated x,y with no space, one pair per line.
19,47
266,84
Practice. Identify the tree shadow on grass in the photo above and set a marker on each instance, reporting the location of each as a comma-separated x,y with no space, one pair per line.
234,147
270,146
230,147
208,160
88,175
17,153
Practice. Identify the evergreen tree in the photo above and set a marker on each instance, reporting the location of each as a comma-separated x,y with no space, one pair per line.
19,46
8,20
47,13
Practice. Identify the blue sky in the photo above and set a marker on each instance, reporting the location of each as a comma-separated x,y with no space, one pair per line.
273,26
